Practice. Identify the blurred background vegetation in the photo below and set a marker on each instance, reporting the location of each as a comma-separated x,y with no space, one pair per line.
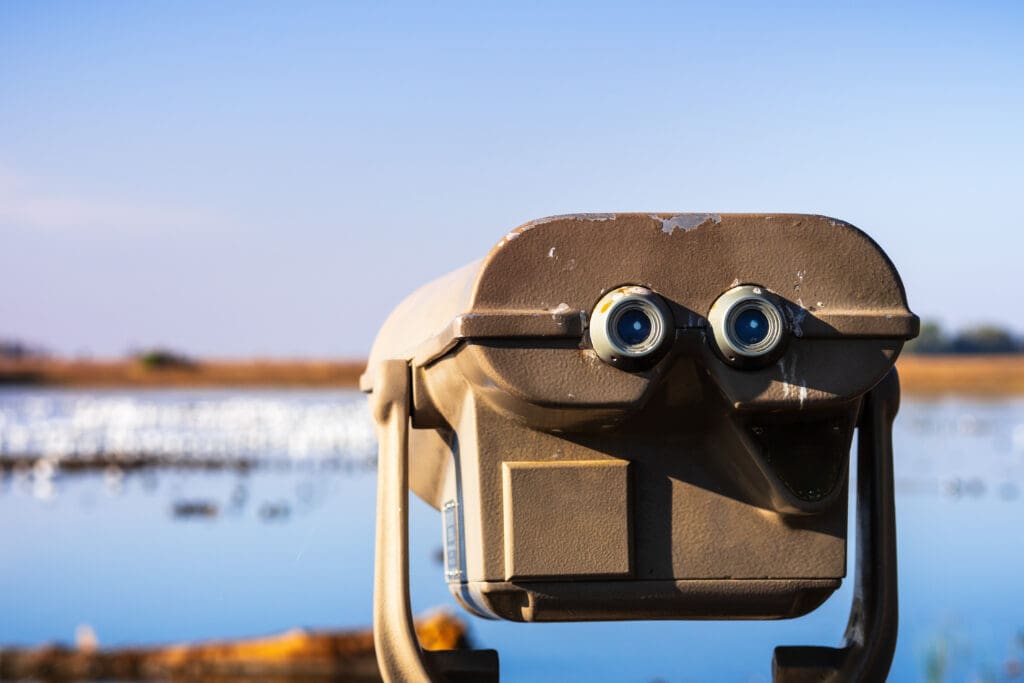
981,339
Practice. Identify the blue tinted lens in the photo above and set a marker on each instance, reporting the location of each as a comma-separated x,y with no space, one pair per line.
751,327
634,327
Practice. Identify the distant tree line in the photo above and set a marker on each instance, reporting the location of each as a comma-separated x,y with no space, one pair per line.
154,358
14,349
981,339
160,357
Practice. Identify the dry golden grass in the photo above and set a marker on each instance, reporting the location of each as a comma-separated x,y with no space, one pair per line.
969,375
920,375
290,657
211,373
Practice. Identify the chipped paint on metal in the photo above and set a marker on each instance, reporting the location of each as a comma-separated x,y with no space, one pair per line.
558,310
791,383
686,221
566,217
786,388
797,315
551,219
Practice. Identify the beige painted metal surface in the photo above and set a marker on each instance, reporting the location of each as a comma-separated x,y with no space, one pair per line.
585,515
694,480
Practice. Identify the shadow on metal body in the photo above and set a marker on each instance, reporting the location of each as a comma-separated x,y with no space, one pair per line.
646,416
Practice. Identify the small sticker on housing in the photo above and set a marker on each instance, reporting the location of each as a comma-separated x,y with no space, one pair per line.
452,562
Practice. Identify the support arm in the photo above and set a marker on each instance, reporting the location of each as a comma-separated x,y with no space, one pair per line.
870,638
399,655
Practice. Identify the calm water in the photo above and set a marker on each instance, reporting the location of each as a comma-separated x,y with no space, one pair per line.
151,557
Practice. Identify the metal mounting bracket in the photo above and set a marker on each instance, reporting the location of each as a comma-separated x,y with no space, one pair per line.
870,639
399,655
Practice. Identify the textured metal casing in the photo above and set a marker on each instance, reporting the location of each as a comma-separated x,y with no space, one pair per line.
726,486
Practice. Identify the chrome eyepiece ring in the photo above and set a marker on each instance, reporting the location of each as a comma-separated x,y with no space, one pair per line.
747,325
631,327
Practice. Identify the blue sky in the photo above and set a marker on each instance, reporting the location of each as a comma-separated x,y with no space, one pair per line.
270,179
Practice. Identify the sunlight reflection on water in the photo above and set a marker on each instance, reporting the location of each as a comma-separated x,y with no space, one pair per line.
66,424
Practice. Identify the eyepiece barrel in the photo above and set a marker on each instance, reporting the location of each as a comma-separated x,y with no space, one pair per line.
747,326
631,327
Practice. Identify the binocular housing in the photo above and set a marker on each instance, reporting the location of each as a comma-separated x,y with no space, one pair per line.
634,416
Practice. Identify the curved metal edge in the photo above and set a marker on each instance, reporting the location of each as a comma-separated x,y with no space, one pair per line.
870,638
399,655
398,651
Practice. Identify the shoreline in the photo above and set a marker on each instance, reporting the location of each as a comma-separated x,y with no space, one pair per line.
980,376
130,373
920,375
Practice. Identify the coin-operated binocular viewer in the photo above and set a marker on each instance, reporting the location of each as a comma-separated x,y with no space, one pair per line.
632,416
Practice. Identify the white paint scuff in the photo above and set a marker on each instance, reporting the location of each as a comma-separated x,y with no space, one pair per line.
797,315
567,216
561,308
790,382
686,221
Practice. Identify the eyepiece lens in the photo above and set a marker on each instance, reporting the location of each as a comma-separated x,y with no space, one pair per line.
634,327
748,327
631,327
751,327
